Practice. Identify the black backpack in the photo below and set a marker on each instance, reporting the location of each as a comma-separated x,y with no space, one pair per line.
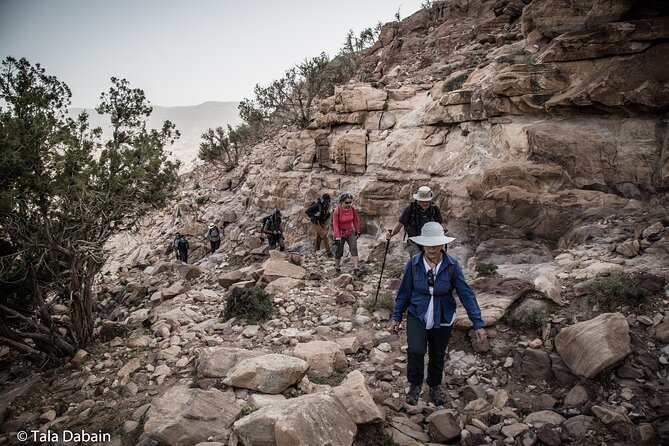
264,221
413,219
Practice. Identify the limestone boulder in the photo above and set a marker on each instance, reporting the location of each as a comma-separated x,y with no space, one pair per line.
590,347
354,395
495,295
189,272
283,285
324,357
305,420
359,97
227,279
275,268
216,362
184,416
271,373
443,426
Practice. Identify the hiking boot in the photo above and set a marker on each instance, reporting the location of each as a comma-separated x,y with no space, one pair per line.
412,396
337,272
437,395
357,273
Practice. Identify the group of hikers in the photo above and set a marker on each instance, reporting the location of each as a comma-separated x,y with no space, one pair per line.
425,293
426,290
180,245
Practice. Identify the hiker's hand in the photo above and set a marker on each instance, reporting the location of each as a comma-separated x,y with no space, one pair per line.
481,335
357,235
336,242
389,234
394,326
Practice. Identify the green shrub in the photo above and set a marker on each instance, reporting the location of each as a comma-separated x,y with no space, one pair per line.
529,59
248,410
386,300
455,83
332,380
529,320
617,289
252,304
372,434
200,200
287,168
485,269
505,59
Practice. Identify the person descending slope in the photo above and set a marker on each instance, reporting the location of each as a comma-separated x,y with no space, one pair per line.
346,228
319,213
414,216
214,236
183,249
272,227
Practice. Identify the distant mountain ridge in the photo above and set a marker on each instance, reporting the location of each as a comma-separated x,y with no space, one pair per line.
190,120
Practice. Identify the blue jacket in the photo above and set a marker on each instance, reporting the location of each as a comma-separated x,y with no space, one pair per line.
414,294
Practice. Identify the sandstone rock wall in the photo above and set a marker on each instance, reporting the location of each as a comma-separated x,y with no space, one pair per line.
559,118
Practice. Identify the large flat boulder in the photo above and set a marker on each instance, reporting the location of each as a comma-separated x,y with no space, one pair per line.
324,357
216,362
184,416
590,347
355,397
267,373
495,295
306,420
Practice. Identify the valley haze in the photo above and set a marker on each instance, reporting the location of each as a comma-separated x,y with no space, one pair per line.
191,121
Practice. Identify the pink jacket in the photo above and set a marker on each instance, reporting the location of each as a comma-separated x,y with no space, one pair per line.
345,221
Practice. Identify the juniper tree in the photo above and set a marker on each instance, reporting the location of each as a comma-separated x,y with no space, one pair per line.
59,203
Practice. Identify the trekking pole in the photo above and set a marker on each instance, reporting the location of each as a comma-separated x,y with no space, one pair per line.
383,265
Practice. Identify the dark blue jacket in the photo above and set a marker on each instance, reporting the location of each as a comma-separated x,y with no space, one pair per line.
414,293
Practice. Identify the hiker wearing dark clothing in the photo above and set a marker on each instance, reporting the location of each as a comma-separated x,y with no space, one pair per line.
319,213
183,249
272,227
426,295
214,237
414,216
175,245
346,229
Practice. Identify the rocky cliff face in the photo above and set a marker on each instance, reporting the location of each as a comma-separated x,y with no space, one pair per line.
535,121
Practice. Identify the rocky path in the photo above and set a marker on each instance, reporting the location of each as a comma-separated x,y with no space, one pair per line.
169,370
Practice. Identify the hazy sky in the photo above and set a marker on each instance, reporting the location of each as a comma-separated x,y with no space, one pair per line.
181,52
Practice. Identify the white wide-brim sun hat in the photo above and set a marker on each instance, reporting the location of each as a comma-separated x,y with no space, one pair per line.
431,234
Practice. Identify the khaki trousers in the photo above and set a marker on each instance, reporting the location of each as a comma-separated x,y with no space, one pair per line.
321,234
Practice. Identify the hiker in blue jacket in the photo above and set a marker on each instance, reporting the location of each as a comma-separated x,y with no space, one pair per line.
426,293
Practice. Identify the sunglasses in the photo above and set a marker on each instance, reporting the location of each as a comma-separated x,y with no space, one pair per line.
430,278
348,202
